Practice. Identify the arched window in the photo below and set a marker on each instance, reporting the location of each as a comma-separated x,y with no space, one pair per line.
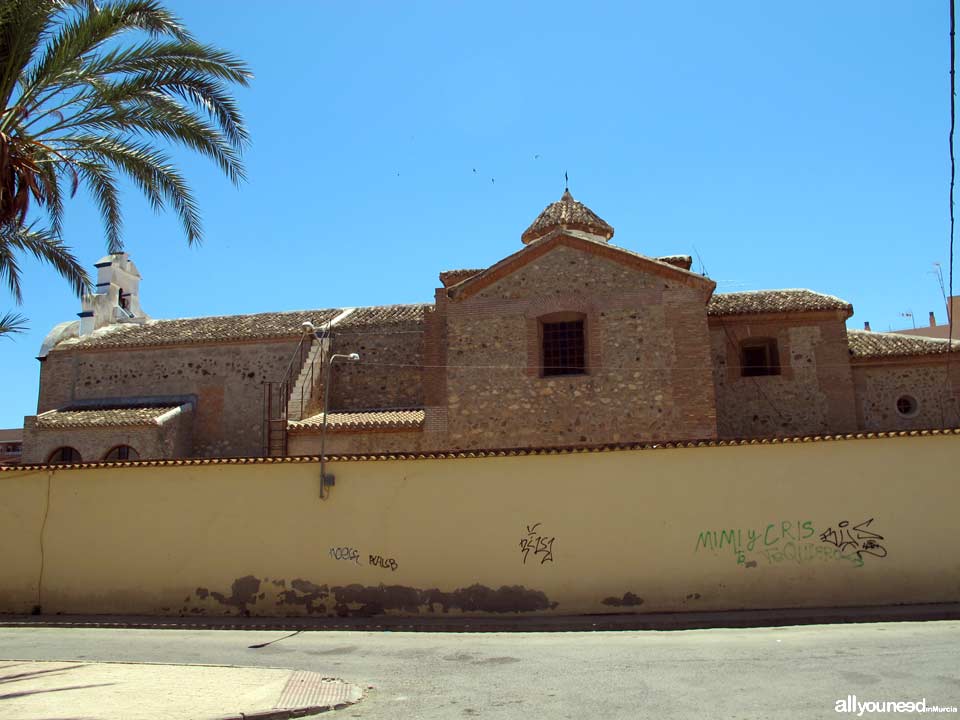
122,452
563,346
64,455
759,356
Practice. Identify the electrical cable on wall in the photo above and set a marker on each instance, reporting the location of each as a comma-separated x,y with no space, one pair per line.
953,175
953,101
38,608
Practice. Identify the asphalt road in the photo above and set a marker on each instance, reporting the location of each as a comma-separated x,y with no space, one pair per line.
787,672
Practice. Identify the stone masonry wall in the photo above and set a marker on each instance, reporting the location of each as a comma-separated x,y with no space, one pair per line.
813,392
226,381
403,441
648,375
879,385
172,439
389,373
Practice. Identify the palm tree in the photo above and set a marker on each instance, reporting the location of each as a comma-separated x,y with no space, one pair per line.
91,93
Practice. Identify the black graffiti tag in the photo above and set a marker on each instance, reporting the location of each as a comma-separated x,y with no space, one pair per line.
858,540
537,544
385,563
345,553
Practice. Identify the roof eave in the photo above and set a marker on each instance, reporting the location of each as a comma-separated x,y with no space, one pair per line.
540,247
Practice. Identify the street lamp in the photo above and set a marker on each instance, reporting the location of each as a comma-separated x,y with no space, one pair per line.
328,480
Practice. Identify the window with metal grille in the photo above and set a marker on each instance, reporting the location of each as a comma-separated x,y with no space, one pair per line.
564,349
759,356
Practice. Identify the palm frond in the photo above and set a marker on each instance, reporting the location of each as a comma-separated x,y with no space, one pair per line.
45,246
11,323
153,173
10,271
87,97
102,183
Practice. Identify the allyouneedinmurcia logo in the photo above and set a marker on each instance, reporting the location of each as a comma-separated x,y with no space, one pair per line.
850,704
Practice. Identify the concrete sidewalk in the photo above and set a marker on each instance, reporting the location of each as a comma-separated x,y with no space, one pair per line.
126,691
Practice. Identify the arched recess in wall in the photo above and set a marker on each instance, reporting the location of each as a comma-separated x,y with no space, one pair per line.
64,455
121,452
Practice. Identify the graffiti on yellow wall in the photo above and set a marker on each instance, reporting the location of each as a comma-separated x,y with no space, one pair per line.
537,544
795,541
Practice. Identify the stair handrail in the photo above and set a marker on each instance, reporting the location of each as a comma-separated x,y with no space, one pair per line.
283,393
323,337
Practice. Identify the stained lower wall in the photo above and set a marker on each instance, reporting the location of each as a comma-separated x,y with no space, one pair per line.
854,522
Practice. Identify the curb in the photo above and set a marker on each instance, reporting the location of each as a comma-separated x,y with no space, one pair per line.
286,714
564,623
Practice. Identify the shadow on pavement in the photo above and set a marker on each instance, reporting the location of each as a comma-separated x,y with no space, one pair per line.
11,696
17,677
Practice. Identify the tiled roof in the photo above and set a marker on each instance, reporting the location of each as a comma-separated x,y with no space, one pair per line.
452,277
383,315
365,420
774,301
567,213
227,328
866,345
681,261
487,453
102,417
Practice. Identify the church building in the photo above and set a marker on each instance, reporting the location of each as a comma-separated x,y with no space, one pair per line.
572,341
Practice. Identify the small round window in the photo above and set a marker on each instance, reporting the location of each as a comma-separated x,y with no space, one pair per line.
907,405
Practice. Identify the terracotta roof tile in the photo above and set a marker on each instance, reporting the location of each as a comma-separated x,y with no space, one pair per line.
365,420
486,453
570,214
383,315
866,345
681,261
227,328
102,417
452,277
774,301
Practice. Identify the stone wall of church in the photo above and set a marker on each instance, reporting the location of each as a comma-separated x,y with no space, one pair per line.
933,388
813,392
225,381
374,443
171,440
647,344
389,373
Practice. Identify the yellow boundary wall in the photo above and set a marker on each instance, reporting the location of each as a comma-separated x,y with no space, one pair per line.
862,522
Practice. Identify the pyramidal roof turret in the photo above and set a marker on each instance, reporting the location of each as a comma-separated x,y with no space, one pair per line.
567,214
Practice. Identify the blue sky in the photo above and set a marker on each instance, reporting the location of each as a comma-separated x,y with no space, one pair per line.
788,144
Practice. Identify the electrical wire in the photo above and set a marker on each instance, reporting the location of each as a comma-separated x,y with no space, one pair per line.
595,368
953,100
